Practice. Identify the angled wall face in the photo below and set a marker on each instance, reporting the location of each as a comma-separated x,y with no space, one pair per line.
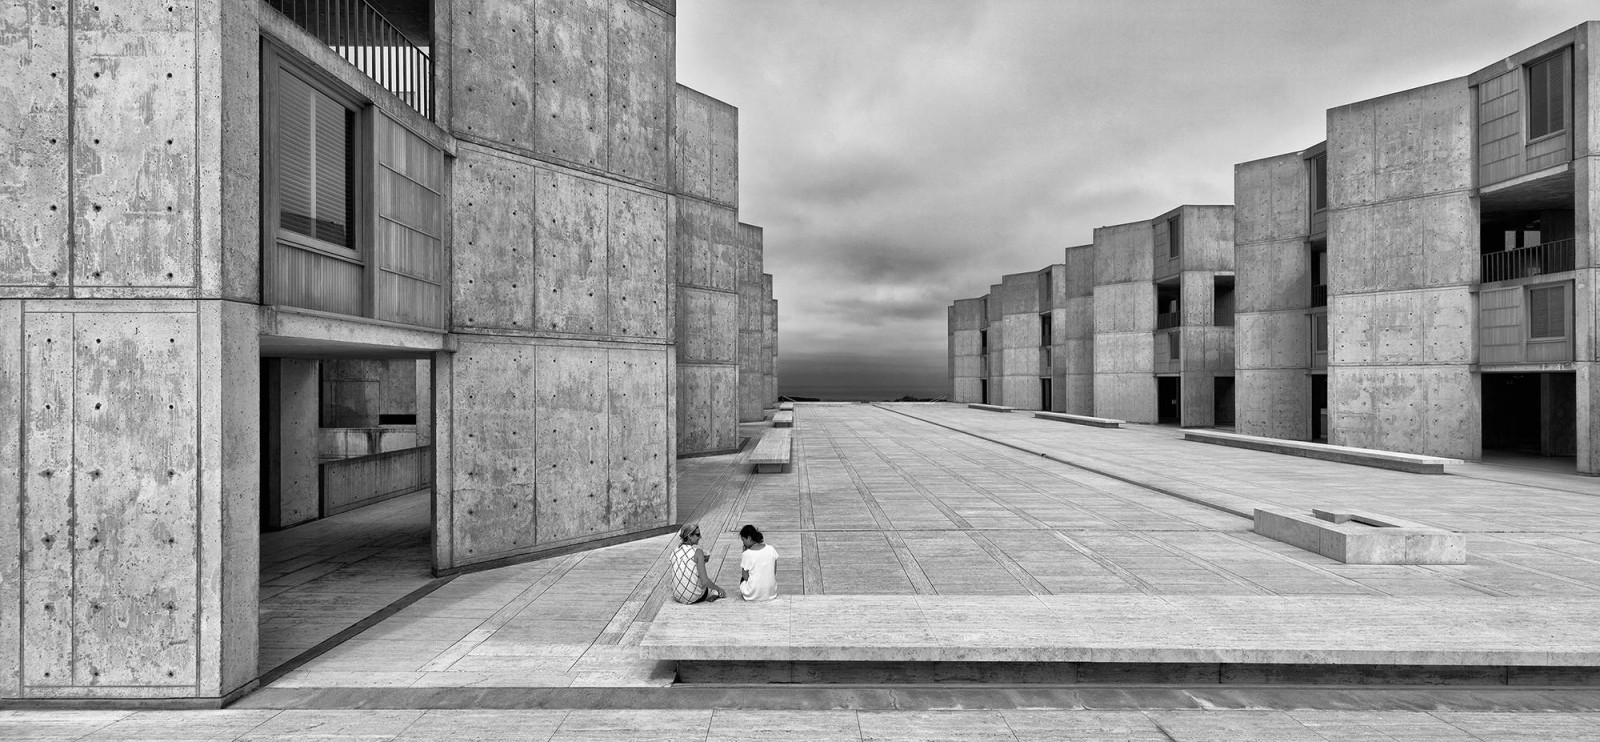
1402,264
561,398
1073,356
968,319
1273,328
1124,318
1019,347
129,445
769,343
752,326
711,260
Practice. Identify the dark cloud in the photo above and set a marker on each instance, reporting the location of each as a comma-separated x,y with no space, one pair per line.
905,153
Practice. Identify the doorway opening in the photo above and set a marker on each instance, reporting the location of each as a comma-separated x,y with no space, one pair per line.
1168,399
346,496
1222,396
1044,395
1319,407
1530,414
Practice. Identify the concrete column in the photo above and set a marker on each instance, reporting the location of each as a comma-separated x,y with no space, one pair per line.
290,491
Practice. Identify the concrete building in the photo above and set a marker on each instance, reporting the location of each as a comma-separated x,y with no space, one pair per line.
753,387
442,230
1427,277
1136,326
712,252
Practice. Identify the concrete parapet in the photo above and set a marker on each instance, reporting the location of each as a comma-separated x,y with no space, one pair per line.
1096,422
990,407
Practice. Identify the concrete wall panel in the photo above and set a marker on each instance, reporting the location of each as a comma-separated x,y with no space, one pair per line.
1413,243
571,260
134,499
1402,328
1125,307
641,68
1273,340
493,251
1431,410
494,71
1019,294
966,390
1272,200
692,143
47,518
638,269
1274,402
495,400
133,161
1078,271
1130,397
571,39
1076,394
708,239
1411,143
12,408
639,490
1123,253
707,408
573,442
1273,276
725,154
1207,238
1123,353
35,216
1197,401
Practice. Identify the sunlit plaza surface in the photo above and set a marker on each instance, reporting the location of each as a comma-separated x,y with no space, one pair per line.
901,502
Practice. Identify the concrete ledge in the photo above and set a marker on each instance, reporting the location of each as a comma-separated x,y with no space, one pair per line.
1407,462
990,407
783,419
772,452
1463,631
1362,538
1098,422
786,405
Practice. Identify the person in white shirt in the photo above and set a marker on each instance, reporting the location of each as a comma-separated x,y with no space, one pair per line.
758,567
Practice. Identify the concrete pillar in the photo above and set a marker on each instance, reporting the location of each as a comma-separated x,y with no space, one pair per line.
290,489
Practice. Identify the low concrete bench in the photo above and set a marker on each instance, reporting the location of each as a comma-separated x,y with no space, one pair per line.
1362,537
1407,462
990,407
783,419
786,405
1098,422
772,452
1087,637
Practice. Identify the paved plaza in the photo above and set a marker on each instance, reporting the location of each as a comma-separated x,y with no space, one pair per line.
917,500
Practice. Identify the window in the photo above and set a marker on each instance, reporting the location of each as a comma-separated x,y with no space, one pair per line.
1547,312
1045,326
314,153
983,342
1547,96
1174,238
1319,181
1174,345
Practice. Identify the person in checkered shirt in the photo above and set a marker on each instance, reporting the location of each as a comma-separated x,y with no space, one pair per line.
689,581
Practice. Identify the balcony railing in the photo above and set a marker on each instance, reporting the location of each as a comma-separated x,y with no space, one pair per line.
1168,319
1319,295
1537,260
370,43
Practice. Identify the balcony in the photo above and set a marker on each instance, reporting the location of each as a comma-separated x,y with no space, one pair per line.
1523,262
1319,295
370,42
1168,319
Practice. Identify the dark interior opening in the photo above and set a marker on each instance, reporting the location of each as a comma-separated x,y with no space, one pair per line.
1168,402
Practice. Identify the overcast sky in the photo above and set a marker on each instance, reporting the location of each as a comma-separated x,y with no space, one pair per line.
902,154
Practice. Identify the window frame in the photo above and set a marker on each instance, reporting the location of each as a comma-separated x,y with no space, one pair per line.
1564,312
1558,60
277,61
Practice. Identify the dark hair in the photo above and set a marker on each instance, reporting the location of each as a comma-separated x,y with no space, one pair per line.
751,532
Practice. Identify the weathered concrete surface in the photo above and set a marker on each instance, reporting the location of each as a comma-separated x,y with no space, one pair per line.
769,343
967,319
751,383
137,500
1402,252
713,255
587,84
290,422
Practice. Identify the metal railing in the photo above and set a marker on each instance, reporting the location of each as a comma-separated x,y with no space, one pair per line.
1535,260
369,42
1319,295
1169,319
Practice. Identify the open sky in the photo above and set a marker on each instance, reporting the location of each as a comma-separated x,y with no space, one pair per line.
902,154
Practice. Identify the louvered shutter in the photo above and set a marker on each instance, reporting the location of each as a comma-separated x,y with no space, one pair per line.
295,145
1544,312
